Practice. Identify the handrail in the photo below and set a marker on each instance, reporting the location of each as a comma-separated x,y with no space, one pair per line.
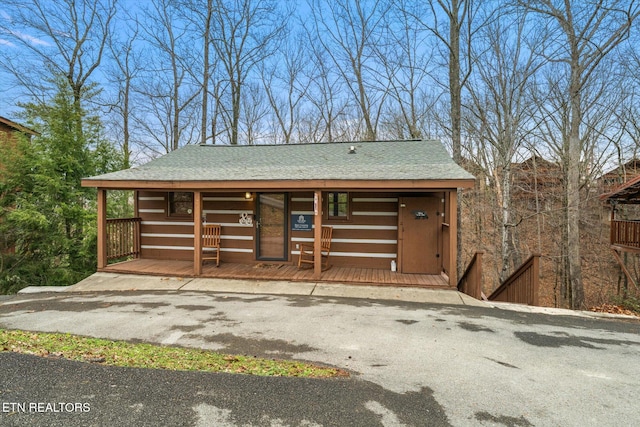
625,233
470,282
521,287
123,238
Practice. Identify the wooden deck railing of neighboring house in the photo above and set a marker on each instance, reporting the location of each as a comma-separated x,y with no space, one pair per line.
470,282
123,238
625,233
522,286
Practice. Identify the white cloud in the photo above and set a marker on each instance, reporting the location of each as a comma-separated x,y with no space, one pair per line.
4,42
30,39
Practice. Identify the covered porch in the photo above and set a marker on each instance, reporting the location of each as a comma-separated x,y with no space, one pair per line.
624,236
278,271
390,205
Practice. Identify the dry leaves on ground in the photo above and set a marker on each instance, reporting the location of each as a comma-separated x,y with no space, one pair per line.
614,309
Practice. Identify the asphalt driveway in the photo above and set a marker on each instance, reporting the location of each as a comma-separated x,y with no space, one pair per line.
411,363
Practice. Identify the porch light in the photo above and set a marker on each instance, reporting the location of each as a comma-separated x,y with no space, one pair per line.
247,195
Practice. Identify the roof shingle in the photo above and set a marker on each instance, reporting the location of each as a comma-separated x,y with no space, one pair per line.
380,160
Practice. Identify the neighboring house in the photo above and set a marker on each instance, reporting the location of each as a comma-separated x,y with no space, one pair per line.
386,201
619,175
537,184
9,131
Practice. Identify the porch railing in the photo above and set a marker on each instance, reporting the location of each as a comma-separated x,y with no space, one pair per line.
522,286
470,282
123,238
625,233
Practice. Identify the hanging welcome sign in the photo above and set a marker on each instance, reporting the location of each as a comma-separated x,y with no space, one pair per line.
301,222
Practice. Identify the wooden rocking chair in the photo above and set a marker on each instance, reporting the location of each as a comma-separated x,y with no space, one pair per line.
211,243
306,249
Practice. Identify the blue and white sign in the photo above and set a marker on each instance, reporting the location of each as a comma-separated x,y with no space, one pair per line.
300,222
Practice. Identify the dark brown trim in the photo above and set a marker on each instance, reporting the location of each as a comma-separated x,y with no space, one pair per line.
317,234
197,233
102,228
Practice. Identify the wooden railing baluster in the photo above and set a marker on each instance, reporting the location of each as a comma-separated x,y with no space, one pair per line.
123,238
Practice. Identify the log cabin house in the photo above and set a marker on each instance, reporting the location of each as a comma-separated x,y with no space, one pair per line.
385,201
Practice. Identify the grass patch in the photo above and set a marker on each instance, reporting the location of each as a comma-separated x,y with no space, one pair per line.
142,355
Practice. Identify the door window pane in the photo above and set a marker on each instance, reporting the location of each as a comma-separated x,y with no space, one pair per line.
272,217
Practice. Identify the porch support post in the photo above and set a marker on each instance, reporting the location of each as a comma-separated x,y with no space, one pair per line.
102,228
453,238
317,234
197,233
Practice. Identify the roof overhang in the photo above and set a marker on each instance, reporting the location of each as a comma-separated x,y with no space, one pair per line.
283,185
627,193
18,127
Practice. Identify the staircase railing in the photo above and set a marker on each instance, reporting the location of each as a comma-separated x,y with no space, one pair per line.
523,284
470,282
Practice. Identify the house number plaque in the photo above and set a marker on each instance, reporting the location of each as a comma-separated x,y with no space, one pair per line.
420,215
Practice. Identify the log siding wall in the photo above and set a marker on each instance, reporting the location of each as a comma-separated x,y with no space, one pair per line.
165,237
368,238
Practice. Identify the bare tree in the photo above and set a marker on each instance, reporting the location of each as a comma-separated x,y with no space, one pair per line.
169,88
126,65
286,88
254,110
586,33
406,56
326,105
501,105
245,33
349,32
63,38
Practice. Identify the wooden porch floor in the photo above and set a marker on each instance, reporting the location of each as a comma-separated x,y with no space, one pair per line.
265,271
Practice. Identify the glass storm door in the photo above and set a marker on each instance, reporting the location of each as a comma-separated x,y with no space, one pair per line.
271,227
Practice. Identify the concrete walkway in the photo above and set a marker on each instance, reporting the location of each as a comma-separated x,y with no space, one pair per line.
101,282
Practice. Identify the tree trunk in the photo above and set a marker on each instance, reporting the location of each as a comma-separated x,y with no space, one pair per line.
573,194
455,94
205,71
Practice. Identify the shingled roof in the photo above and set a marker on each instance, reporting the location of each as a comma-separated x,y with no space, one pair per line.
370,161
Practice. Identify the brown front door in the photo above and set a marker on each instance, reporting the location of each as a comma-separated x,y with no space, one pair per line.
418,235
